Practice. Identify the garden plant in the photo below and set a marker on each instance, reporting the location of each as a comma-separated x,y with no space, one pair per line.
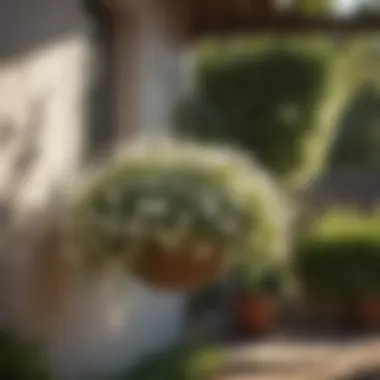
177,215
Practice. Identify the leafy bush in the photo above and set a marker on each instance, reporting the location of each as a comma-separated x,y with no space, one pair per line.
277,98
20,360
179,363
340,257
170,192
357,140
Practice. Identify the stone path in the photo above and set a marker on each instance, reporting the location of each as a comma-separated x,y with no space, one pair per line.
282,359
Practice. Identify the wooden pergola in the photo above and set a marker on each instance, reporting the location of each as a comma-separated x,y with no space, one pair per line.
177,24
201,18
284,24
228,17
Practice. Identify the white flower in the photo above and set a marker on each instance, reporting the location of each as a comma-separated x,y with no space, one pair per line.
240,178
210,205
153,207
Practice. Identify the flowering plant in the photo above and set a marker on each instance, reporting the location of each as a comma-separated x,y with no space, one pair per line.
170,193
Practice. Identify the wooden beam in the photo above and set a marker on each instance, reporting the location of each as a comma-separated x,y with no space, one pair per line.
227,25
225,17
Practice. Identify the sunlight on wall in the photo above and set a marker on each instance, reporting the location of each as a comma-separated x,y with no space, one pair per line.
42,102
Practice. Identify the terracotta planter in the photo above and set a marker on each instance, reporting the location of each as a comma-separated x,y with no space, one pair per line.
255,314
366,312
182,270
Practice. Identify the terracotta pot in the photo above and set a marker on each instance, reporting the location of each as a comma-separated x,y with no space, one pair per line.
182,270
256,314
366,312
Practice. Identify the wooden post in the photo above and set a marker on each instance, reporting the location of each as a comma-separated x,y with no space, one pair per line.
148,50
126,76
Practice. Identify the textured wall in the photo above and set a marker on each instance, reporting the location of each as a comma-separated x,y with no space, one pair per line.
44,62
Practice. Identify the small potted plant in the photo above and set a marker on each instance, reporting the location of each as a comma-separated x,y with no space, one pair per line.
256,301
177,214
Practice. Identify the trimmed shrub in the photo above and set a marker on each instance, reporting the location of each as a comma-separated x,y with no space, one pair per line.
184,203
340,257
277,98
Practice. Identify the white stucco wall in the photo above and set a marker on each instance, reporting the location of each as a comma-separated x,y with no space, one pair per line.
107,325
112,324
51,78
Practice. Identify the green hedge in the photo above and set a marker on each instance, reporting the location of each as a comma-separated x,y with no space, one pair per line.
357,140
340,257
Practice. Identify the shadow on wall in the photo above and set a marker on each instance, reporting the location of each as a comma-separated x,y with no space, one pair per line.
101,130
28,152
26,25
16,236
26,158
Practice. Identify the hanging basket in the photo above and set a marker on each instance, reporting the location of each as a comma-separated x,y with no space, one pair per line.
186,268
176,215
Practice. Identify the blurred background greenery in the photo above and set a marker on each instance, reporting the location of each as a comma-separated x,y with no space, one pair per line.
288,100
307,107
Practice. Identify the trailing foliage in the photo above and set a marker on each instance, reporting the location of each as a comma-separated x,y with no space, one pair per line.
340,257
173,191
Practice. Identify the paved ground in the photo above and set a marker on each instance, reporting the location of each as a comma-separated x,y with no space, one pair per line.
282,359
